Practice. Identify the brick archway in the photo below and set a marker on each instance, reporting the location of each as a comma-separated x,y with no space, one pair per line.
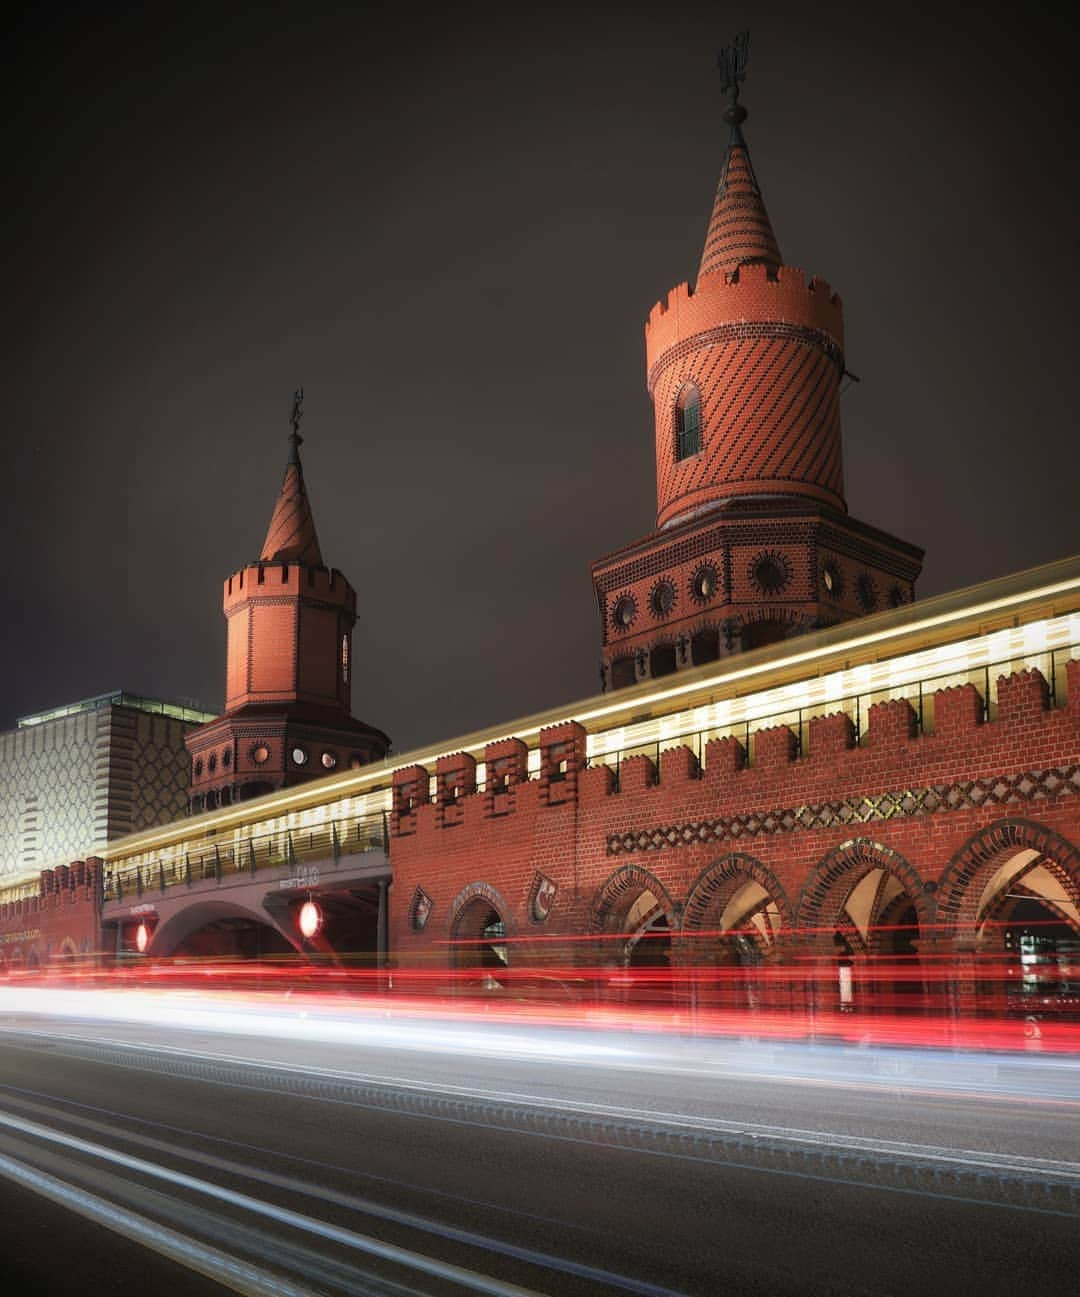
825,892
458,919
972,867
715,886
1016,888
616,897
477,941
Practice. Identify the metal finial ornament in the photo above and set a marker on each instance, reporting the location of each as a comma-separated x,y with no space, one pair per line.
732,64
294,419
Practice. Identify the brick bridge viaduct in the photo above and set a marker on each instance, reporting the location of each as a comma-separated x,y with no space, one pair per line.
904,784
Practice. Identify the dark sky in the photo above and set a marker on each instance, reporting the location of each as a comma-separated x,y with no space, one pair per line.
450,227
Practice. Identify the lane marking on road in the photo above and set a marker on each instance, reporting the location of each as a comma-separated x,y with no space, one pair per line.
832,1141
471,1280
353,1203
1010,1079
240,1276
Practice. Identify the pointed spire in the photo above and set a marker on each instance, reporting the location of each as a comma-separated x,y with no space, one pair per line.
740,230
291,536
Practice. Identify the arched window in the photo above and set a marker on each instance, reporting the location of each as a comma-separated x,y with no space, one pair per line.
687,422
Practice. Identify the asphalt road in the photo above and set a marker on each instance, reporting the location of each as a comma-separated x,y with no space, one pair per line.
440,1159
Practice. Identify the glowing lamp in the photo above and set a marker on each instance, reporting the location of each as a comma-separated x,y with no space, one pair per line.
142,938
311,920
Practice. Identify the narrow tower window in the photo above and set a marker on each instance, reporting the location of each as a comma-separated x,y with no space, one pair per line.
687,422
345,659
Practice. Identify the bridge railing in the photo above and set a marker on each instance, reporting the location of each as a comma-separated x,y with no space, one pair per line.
246,855
1051,663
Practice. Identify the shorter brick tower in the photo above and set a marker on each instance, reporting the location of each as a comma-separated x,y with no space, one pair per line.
288,678
753,540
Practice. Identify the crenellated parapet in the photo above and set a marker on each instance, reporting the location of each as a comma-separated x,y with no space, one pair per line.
832,734
1023,696
410,790
774,748
959,710
891,724
779,763
57,918
266,580
455,779
754,295
562,759
758,360
882,783
65,885
506,764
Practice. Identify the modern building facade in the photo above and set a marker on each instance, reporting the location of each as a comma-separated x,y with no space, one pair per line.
76,777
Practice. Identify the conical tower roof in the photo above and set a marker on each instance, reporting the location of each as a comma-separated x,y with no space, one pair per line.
291,536
740,230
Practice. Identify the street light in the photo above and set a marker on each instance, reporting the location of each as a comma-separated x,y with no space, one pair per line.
310,920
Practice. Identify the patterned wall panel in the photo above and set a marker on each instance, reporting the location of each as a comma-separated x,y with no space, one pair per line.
74,783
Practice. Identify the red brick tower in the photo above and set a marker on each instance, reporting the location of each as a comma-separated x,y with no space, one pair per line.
753,542
288,678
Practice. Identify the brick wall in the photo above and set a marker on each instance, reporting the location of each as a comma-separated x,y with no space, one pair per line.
928,808
59,920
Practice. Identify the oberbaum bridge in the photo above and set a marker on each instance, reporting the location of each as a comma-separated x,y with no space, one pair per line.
789,759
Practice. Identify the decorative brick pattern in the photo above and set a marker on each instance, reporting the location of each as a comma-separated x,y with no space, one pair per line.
770,421
762,347
998,790
291,536
739,229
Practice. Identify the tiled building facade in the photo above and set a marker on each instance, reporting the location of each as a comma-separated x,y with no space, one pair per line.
79,776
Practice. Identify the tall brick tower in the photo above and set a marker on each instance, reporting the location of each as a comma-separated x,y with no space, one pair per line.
288,677
753,541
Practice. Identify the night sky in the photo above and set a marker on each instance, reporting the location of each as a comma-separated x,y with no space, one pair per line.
450,227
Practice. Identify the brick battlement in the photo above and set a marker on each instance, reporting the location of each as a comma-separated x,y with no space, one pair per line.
756,294
891,752
58,889
786,803
266,580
